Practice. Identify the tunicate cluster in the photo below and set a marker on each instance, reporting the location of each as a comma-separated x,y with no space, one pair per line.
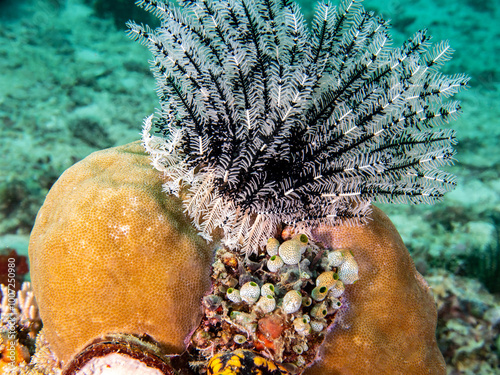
281,300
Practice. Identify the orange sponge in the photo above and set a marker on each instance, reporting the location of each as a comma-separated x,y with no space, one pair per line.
111,253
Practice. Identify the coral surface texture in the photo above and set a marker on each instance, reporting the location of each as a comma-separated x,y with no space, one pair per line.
388,325
110,253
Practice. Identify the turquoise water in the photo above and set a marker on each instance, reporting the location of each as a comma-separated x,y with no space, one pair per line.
71,82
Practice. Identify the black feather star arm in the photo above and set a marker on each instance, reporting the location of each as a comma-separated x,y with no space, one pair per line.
265,122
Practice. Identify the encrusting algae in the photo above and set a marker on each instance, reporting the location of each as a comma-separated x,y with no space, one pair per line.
251,246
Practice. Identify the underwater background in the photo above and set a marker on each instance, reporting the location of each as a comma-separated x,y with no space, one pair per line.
72,82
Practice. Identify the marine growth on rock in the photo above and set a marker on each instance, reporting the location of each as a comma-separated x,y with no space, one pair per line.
282,316
265,121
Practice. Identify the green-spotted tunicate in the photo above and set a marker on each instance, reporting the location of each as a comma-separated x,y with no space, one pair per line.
327,279
274,263
317,326
266,304
336,258
250,292
233,295
306,301
272,246
337,290
267,289
303,240
335,303
319,293
348,270
301,326
319,311
292,302
290,252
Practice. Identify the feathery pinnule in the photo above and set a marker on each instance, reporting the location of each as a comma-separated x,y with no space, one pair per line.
266,122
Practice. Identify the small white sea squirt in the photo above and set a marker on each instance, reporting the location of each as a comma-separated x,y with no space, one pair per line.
274,263
250,292
336,258
272,246
292,302
233,295
348,270
267,289
291,251
266,304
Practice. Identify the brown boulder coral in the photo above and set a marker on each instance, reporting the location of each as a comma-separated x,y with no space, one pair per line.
110,253
388,325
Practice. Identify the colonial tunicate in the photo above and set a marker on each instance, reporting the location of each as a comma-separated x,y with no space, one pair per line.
348,270
319,293
266,304
267,289
233,295
250,292
327,279
274,263
294,288
292,302
290,251
272,246
335,258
